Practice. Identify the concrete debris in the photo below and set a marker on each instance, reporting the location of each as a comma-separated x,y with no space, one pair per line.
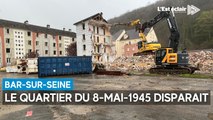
135,63
203,59
11,69
24,66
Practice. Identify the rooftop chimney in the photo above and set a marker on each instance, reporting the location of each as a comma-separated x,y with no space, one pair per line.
48,26
26,22
70,30
63,29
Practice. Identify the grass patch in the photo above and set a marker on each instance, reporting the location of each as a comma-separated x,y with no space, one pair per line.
148,74
205,76
202,76
2,70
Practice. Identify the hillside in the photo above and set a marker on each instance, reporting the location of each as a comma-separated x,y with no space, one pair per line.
196,30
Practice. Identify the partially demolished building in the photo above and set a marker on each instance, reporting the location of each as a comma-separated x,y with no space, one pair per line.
94,38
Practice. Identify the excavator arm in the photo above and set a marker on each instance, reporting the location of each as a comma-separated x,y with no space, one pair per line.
137,25
174,37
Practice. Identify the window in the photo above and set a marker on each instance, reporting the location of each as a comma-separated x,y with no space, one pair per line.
54,52
29,50
97,30
46,52
54,44
84,37
45,35
129,42
7,40
94,48
46,43
105,50
8,60
73,39
97,39
8,31
93,28
37,34
98,49
163,53
7,50
104,31
84,47
59,37
29,33
104,40
60,44
83,26
60,52
29,42
37,42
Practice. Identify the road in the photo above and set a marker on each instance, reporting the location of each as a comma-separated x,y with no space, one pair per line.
117,112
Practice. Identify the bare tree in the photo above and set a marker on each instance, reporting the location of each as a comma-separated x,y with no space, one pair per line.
72,49
32,55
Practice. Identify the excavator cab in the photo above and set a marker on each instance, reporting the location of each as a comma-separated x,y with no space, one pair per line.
165,56
139,44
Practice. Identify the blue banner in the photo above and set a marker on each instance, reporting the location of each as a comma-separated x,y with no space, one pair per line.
37,84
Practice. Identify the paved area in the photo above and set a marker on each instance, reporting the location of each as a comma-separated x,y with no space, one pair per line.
118,112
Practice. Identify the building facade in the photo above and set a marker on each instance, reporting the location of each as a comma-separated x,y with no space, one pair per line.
18,39
94,38
126,41
130,49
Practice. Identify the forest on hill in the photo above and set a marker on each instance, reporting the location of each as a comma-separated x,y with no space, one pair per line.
196,31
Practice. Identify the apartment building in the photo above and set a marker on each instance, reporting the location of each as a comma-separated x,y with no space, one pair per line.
94,38
18,39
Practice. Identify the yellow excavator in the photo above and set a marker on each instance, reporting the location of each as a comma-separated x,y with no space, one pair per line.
144,48
169,60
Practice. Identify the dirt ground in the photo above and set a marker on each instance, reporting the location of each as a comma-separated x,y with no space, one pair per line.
117,112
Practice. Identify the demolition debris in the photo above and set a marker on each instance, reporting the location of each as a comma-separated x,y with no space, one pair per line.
202,59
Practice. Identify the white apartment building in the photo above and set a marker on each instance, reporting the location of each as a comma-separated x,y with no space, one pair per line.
18,39
93,38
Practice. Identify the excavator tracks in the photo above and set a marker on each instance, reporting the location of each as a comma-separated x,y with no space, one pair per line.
172,70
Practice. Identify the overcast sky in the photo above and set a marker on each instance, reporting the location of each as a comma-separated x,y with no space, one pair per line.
63,13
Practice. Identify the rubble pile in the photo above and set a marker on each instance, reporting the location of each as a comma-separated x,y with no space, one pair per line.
135,63
202,59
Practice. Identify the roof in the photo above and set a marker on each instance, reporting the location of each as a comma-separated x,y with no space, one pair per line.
116,35
91,17
35,28
132,34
